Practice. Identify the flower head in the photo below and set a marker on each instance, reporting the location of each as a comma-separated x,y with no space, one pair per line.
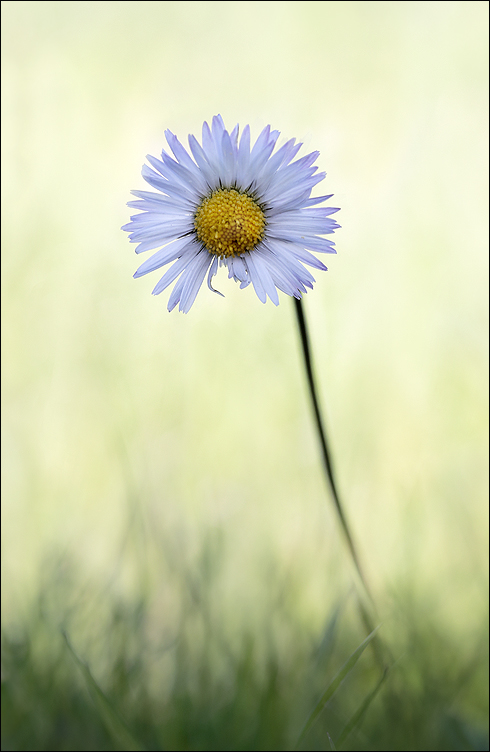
246,208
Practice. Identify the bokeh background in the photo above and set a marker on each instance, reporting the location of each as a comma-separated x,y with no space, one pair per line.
163,498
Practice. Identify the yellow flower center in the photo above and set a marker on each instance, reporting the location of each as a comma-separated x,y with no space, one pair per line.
228,223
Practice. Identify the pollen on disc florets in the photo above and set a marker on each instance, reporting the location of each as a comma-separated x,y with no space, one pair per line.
228,222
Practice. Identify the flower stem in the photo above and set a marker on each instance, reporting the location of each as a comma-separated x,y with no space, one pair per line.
322,434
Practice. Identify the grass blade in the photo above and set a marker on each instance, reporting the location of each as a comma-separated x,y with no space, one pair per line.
114,724
335,684
359,714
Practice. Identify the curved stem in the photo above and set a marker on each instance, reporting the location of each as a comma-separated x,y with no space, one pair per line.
327,461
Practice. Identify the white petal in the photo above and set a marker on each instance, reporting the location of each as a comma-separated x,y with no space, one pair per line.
283,278
155,202
164,256
255,277
176,293
160,230
282,257
243,159
209,147
228,160
238,269
284,154
194,280
210,175
263,274
309,225
176,269
212,272
180,152
171,188
172,170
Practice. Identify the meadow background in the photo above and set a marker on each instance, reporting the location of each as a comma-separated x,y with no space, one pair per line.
173,573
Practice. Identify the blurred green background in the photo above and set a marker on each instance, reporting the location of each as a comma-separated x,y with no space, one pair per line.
163,497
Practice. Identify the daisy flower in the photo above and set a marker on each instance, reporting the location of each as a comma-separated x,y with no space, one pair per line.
246,208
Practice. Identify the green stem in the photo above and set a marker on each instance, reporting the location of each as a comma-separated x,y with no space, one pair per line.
322,434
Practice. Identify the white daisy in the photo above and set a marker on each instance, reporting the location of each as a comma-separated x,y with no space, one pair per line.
248,209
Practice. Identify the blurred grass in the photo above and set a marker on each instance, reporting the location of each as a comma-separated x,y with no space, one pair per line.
202,688
163,498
